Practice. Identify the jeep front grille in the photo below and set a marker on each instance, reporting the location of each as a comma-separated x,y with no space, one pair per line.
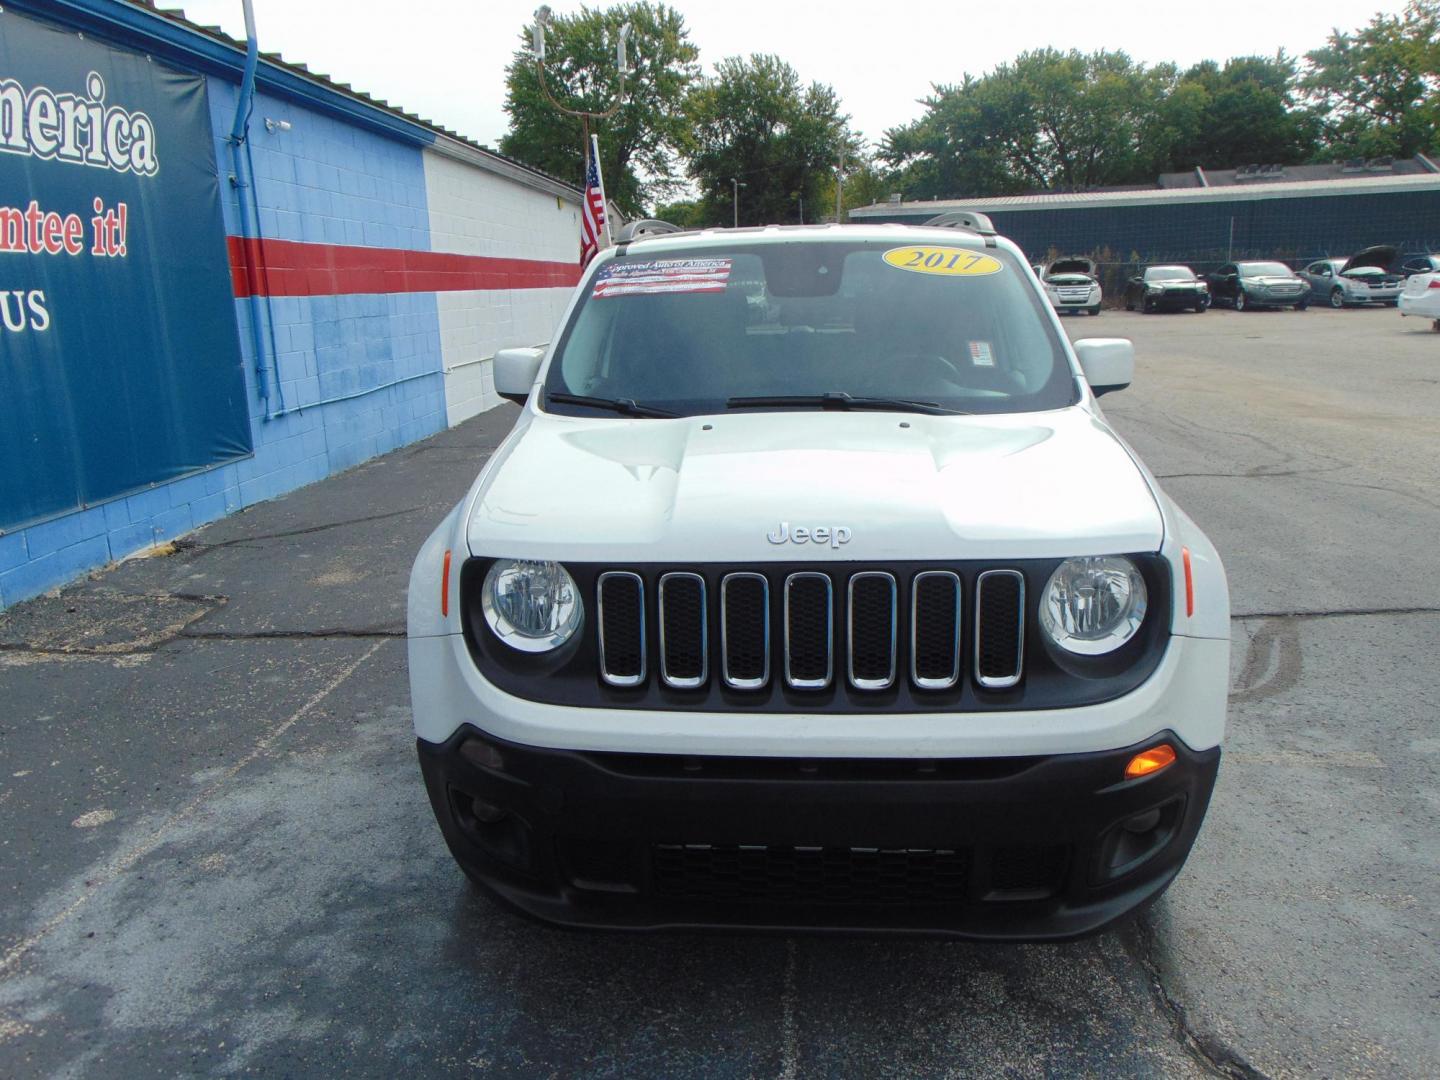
935,610
684,640
620,607
867,628
745,631
999,628
809,631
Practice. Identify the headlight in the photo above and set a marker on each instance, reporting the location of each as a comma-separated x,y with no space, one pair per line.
1202,286
1093,605
1154,290
532,606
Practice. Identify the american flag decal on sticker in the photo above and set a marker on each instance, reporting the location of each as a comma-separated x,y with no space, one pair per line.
662,276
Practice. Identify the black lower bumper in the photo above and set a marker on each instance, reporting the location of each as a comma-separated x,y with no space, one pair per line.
1035,848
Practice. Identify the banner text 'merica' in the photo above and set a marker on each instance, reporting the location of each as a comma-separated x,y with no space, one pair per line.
79,130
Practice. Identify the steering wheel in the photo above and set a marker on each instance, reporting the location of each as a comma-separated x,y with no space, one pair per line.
924,364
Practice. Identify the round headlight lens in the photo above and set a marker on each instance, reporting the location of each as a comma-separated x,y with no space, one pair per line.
532,606
1093,605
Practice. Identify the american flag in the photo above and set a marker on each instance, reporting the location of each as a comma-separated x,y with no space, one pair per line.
592,216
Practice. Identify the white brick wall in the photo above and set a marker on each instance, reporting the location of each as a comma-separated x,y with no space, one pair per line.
474,212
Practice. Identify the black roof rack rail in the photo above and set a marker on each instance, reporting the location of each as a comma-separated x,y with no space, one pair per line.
969,220
634,230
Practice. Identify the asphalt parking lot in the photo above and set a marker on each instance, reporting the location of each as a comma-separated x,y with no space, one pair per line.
216,855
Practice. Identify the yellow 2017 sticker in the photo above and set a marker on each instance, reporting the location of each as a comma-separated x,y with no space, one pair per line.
948,261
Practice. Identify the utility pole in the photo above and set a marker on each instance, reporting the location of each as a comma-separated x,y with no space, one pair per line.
840,186
735,187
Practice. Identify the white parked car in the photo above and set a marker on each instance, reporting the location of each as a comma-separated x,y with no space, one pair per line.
843,609
1422,297
1071,284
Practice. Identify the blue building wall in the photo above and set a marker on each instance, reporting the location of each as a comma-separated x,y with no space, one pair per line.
352,376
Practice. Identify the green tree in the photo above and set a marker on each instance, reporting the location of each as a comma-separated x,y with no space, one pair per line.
1217,117
1047,120
756,123
1379,87
638,145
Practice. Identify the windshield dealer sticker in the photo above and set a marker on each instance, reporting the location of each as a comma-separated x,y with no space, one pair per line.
946,261
980,354
662,276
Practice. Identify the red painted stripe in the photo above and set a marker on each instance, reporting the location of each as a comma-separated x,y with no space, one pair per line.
290,268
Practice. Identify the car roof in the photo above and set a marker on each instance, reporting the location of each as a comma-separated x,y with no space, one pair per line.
811,234
1170,266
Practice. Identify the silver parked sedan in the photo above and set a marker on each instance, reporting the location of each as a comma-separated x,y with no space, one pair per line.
1363,278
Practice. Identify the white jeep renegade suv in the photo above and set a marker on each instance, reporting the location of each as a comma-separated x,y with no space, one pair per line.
813,590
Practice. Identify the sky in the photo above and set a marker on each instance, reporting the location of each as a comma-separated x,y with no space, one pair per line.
445,59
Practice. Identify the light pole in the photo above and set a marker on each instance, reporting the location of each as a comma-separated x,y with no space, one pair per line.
537,49
735,186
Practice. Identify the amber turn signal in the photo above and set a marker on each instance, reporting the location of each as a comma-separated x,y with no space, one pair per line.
1150,761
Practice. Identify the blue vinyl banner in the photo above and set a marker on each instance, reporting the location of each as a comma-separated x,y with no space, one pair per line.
119,355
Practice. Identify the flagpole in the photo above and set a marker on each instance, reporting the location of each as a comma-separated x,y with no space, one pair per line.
594,148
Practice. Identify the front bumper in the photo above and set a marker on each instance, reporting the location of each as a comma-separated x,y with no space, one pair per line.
1277,297
1021,848
1175,299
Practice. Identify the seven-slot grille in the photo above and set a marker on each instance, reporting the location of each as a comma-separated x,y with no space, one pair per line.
869,617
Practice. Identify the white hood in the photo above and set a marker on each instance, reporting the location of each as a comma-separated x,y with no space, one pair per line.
710,488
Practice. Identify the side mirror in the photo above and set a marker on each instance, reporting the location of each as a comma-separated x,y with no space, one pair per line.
1107,363
515,372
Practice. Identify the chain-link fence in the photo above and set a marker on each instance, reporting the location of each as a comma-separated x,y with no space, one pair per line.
1204,235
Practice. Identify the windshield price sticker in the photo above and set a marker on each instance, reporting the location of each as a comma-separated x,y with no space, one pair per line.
660,276
945,261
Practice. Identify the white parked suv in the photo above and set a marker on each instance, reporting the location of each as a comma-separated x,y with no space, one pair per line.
1072,284
812,589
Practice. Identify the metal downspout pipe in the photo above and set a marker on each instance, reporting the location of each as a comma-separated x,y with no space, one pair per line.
239,134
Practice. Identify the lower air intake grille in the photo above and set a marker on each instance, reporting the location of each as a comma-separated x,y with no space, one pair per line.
1018,873
737,873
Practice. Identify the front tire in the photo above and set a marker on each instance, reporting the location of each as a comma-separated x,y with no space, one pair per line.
1302,305
1240,301
1337,299
1095,310
1200,309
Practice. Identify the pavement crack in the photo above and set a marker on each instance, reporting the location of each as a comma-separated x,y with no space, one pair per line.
1208,1051
196,547
324,634
1340,613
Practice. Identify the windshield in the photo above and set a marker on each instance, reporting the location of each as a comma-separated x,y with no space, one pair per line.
957,327
1264,270
1169,273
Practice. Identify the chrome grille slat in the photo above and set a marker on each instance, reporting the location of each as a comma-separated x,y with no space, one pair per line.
939,630
809,630
624,623
999,628
870,649
684,634
745,631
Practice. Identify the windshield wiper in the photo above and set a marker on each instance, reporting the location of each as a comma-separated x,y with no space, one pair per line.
625,406
842,401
